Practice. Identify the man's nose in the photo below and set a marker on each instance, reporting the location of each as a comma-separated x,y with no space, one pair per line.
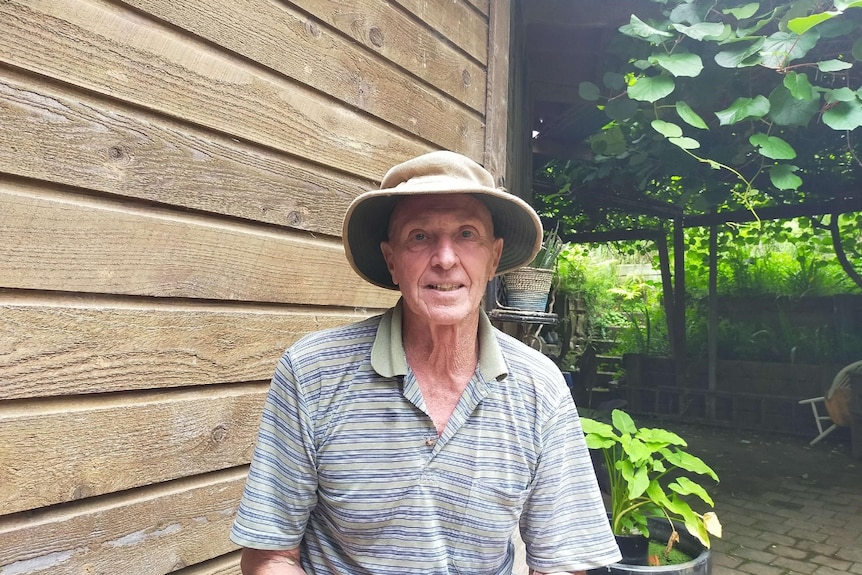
445,255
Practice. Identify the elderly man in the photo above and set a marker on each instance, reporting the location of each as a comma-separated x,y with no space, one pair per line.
419,440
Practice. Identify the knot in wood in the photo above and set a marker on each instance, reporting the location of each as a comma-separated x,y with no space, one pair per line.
375,34
466,78
294,218
219,433
312,29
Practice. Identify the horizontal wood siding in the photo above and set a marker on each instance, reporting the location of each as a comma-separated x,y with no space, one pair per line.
173,177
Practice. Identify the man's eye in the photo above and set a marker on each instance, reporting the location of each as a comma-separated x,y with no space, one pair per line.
467,234
419,237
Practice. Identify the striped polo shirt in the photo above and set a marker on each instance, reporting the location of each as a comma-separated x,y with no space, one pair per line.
349,466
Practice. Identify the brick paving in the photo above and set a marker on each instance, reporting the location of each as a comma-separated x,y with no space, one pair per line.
786,507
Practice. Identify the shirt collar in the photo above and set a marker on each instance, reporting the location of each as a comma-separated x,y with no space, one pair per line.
389,359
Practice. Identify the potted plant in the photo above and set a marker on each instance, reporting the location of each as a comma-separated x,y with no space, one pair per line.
528,288
649,484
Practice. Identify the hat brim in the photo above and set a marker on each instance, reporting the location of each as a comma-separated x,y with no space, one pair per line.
366,224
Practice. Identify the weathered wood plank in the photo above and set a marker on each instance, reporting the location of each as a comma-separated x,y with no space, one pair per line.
225,565
130,440
71,346
121,54
289,42
101,145
456,21
69,243
410,45
157,529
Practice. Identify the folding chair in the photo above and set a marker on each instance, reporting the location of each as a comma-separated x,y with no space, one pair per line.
836,403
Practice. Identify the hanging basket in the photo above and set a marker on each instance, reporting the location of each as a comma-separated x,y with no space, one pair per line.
528,288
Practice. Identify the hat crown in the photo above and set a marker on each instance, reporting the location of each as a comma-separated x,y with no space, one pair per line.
442,170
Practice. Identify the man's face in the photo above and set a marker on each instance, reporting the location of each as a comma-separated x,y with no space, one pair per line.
441,253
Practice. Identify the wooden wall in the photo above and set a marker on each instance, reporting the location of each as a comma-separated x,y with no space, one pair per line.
173,175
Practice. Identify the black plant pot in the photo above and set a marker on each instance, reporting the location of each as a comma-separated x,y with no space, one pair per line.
660,531
635,549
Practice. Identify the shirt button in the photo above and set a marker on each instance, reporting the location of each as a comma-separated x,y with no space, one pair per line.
431,441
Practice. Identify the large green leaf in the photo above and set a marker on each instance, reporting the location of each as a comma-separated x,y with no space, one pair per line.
689,462
621,109
783,178
799,86
844,116
772,147
623,422
743,109
689,116
842,94
651,89
685,486
781,48
785,110
740,55
743,12
637,28
806,23
660,436
845,4
588,91
681,64
702,30
833,65
685,143
666,129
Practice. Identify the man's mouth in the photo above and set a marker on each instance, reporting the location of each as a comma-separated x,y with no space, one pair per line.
444,287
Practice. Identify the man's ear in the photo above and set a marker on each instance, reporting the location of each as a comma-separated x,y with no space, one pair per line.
386,249
497,251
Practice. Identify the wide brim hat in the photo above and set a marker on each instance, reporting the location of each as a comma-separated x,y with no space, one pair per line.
366,223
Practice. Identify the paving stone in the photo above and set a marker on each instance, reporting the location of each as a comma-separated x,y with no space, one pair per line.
817,547
788,552
755,555
832,562
795,566
725,560
761,569
808,535
822,570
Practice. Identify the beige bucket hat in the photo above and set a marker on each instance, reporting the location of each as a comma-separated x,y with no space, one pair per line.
366,223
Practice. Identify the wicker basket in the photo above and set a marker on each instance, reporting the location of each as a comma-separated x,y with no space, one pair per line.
528,288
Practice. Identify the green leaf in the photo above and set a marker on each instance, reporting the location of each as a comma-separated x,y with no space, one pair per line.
689,462
781,48
783,178
799,86
614,81
744,11
702,30
685,486
743,109
740,56
833,65
588,91
637,28
682,64
785,110
843,94
803,25
772,147
621,109
650,89
689,116
844,116
623,422
666,129
660,436
685,143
